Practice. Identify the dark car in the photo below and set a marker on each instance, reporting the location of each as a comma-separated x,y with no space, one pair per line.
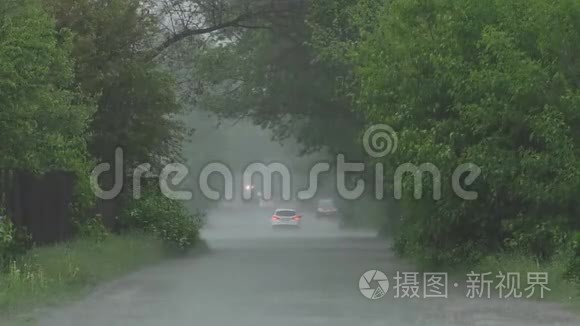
326,207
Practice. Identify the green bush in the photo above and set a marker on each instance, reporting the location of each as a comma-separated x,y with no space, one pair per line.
573,267
166,218
542,241
13,242
562,289
93,228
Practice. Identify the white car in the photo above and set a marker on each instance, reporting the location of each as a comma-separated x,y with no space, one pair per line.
286,217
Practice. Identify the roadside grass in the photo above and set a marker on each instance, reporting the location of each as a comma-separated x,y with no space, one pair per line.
48,275
562,289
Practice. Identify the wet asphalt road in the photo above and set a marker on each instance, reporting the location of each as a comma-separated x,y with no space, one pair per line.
256,276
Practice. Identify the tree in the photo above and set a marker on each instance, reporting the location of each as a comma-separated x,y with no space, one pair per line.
493,83
43,118
186,19
273,77
137,101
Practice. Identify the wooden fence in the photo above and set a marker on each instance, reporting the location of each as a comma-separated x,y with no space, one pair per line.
41,204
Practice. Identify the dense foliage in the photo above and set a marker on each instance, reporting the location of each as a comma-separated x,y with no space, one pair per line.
136,100
77,80
573,268
166,218
44,117
493,83
43,120
271,76
13,242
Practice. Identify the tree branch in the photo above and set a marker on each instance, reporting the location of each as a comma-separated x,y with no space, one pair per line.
237,22
254,26
193,32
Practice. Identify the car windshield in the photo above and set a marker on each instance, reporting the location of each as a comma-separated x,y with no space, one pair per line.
285,212
326,203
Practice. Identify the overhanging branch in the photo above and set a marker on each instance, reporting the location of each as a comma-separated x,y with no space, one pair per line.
241,21
193,32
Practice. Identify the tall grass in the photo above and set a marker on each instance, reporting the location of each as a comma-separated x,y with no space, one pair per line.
562,288
48,275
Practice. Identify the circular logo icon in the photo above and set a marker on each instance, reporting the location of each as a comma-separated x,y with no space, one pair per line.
380,141
373,284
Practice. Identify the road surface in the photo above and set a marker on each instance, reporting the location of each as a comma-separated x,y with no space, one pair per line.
254,276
